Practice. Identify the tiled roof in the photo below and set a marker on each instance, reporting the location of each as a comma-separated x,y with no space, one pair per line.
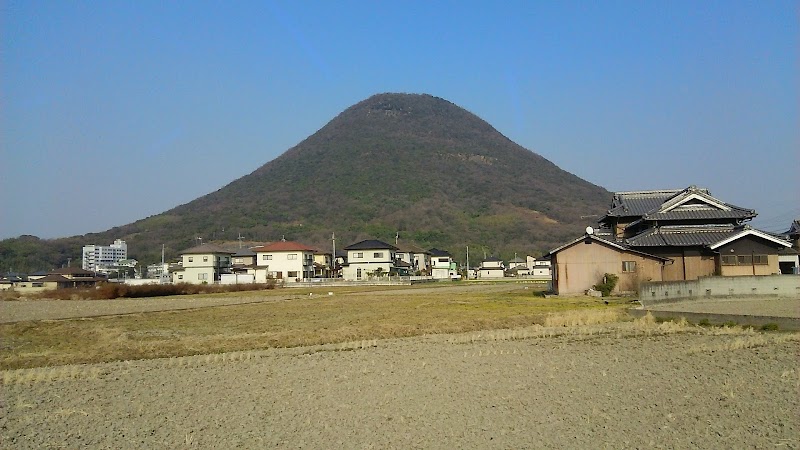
284,246
701,214
436,252
370,244
611,243
245,252
681,236
692,203
639,202
492,259
54,277
795,227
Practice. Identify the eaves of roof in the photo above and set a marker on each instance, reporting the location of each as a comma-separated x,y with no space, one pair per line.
620,247
680,236
747,231
371,244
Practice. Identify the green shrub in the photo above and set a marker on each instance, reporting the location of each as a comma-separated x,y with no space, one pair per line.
704,323
769,327
607,285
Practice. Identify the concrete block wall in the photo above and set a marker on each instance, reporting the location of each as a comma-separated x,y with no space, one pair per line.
720,287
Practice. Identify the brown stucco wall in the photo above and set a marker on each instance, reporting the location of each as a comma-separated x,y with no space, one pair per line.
581,266
751,245
692,263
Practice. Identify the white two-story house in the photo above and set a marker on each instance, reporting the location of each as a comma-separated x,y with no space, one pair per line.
369,258
491,268
442,265
203,264
283,260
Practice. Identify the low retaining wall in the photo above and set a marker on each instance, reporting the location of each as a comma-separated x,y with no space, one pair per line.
783,323
655,293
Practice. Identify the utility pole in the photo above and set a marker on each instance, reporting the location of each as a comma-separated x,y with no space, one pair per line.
333,255
240,240
468,262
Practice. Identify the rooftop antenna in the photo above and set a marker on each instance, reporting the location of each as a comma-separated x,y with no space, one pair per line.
200,239
283,238
240,239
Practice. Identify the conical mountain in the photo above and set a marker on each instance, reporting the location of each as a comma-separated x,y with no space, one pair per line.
408,163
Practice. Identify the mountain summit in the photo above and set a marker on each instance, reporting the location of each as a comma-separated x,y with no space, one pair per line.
408,163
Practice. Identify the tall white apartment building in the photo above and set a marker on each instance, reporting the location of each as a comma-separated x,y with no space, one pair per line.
100,258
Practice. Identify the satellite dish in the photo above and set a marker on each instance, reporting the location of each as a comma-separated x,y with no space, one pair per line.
589,230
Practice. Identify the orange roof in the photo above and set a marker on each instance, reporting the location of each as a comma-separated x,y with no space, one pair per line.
283,246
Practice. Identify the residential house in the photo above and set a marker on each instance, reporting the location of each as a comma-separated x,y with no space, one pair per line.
8,280
369,258
539,268
244,257
789,258
542,268
442,265
323,265
339,262
518,267
582,263
692,232
65,277
202,264
491,267
417,258
288,261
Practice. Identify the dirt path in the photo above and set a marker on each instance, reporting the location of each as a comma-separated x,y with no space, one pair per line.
467,391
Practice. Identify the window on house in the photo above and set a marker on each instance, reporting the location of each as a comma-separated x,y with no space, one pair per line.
628,266
267,257
744,260
760,260
191,259
291,256
279,275
180,277
291,274
377,255
359,255
202,276
37,284
728,260
358,274
205,258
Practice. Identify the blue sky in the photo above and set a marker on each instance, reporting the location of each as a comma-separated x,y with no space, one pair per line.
114,111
